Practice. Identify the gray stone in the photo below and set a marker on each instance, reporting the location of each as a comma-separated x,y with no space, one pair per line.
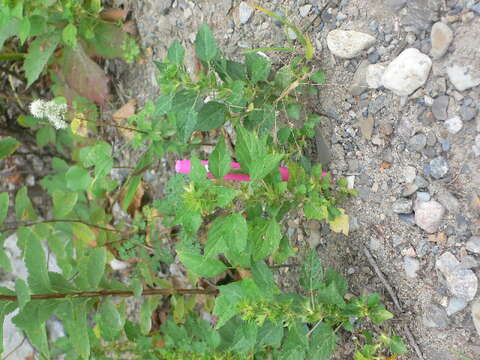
421,182
440,106
462,283
402,206
376,104
407,72
409,189
348,44
411,266
454,125
395,5
245,12
434,316
473,244
417,142
448,200
475,311
421,14
468,262
373,57
359,82
468,113
431,139
366,126
423,196
409,173
463,76
476,146
305,10
455,305
438,167
428,215
441,38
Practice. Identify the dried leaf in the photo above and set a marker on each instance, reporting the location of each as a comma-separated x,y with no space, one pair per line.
79,125
114,14
121,115
340,224
84,76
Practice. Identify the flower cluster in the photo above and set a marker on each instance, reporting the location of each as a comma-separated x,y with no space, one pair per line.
55,113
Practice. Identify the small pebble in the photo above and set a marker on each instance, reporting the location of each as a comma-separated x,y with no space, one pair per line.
439,107
473,244
468,113
402,206
411,266
438,167
454,125
423,196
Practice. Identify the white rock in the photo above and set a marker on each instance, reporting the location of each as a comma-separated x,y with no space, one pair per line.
428,215
245,12
374,75
455,305
13,340
304,10
476,146
463,77
454,125
409,174
118,265
462,283
348,43
407,72
473,244
441,38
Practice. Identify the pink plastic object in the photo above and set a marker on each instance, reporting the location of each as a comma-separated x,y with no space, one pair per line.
183,167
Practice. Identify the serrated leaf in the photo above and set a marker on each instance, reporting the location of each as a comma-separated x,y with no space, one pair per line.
7,146
397,346
63,202
46,135
4,201
330,294
8,30
69,35
4,259
311,273
111,322
318,77
23,293
315,210
176,53
225,303
212,115
36,264
163,105
186,123
205,46
75,321
201,265
293,110
340,224
258,67
266,239
219,161
263,277
270,335
323,342
24,29
23,206
96,266
227,232
379,315
108,41
198,173
40,51
78,179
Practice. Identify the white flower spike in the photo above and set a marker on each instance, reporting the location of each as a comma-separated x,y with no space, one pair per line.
55,113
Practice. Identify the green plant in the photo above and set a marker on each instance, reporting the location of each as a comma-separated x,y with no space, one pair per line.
227,235
63,36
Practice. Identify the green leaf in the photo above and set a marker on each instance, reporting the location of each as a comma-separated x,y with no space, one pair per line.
226,302
263,277
201,265
4,259
100,156
176,53
24,29
397,346
46,135
78,179
219,161
38,25
69,35
96,266
36,264
330,294
293,110
225,195
8,30
323,342
163,105
4,200
40,51
63,202
205,46
379,315
23,206
84,233
23,293
148,306
111,322
266,239
311,273
315,210
198,173
270,334
258,67
75,321
318,77
227,232
186,123
131,187
212,115
7,146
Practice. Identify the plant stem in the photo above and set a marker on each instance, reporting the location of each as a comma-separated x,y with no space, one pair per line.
60,220
89,294
12,56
